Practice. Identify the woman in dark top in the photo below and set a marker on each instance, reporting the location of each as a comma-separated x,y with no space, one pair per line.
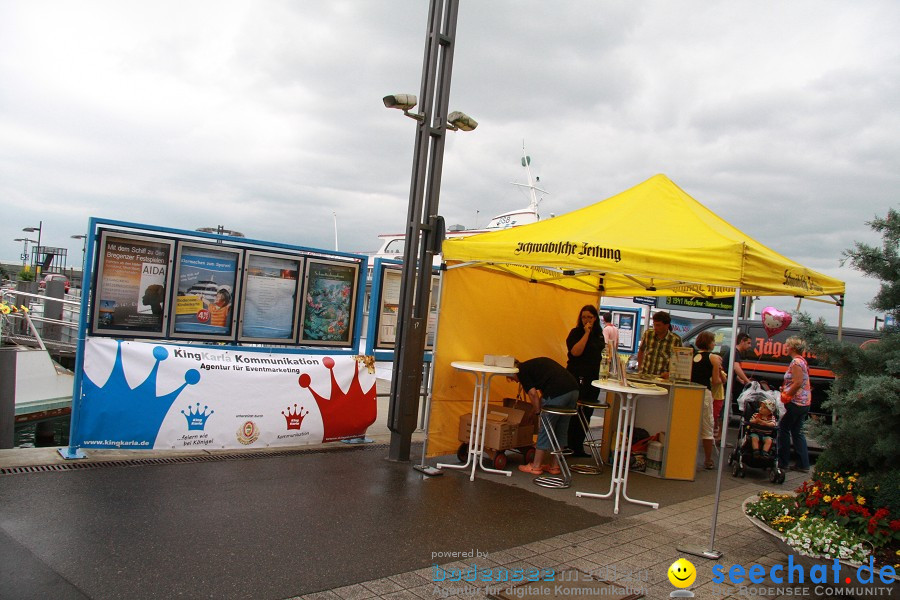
585,344
706,371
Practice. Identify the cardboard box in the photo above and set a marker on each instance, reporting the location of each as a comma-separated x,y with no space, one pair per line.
528,426
503,428
499,360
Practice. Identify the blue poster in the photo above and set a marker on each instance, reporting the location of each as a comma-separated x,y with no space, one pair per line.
205,292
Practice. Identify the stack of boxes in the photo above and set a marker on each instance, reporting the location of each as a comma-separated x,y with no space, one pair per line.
509,426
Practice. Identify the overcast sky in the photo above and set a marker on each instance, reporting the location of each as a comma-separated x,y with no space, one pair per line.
266,117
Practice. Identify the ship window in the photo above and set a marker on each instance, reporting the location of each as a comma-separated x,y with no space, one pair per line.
395,247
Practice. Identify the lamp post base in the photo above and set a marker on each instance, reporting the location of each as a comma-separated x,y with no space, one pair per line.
708,554
430,471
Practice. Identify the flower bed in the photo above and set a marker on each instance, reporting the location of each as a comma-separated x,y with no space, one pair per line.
831,516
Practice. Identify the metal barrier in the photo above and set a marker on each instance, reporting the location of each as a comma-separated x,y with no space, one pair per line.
28,325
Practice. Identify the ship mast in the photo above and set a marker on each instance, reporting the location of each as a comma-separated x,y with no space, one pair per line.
530,186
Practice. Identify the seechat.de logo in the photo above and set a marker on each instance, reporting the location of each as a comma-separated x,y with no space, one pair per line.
682,574
794,573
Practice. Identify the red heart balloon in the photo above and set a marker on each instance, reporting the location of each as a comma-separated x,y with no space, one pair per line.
774,320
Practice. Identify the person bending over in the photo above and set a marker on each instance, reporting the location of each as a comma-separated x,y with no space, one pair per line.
547,383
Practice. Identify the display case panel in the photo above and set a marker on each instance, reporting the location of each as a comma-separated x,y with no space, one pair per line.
329,304
389,303
133,281
206,283
270,301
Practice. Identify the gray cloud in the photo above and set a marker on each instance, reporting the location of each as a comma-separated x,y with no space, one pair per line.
266,117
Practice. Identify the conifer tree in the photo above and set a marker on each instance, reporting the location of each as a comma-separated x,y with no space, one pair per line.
865,396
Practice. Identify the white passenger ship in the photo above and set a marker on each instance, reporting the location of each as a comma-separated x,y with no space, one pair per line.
392,244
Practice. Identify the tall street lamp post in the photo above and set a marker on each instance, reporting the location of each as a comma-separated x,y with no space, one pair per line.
24,249
36,255
424,229
83,239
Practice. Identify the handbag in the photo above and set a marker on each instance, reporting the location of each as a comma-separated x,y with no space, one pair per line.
785,398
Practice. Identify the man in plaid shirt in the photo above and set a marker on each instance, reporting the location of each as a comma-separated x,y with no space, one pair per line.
656,346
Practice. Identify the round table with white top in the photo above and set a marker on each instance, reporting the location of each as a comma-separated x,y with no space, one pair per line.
628,396
483,375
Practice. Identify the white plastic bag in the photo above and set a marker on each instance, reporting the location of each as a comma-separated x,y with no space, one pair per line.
753,391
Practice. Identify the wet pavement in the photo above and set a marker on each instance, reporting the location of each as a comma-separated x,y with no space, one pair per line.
341,521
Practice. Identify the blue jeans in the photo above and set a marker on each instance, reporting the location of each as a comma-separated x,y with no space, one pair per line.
790,428
559,423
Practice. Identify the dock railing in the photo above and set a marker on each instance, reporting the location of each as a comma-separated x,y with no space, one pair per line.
40,321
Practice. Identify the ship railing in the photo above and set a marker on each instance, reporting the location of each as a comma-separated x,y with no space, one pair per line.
27,325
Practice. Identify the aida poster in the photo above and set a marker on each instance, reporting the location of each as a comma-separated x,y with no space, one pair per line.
132,285
138,395
330,303
206,283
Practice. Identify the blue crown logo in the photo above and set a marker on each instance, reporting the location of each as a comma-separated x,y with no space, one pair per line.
122,416
196,420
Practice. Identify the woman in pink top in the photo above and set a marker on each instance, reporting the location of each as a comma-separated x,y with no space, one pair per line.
796,395
610,335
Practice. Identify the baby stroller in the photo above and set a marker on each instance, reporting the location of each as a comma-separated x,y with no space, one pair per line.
742,456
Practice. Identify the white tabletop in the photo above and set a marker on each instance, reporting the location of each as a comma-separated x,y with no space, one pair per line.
480,367
615,386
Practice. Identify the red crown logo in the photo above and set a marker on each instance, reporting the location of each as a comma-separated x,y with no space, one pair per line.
294,418
344,414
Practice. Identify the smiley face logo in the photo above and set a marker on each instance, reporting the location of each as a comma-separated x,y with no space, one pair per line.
682,573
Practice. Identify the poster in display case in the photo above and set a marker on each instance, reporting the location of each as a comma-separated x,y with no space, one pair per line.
132,287
389,304
329,304
206,283
270,304
626,321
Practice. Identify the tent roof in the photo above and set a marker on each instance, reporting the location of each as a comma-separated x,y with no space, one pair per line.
653,239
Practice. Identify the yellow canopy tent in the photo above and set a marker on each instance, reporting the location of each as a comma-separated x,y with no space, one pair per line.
653,239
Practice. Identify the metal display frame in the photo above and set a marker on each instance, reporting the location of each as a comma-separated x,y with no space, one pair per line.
308,301
300,262
99,283
235,291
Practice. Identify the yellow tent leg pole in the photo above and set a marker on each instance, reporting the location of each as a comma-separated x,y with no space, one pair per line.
840,317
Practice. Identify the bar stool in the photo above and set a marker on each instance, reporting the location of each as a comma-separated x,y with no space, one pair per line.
590,442
564,479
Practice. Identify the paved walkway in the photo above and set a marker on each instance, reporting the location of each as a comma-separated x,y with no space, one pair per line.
340,522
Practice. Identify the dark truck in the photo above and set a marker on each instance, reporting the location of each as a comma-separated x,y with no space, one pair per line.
767,360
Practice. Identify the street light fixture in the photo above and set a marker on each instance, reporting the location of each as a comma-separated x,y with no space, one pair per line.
81,236
404,102
460,121
39,228
424,230
456,120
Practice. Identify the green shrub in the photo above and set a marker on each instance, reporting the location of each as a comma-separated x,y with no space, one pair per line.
888,492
